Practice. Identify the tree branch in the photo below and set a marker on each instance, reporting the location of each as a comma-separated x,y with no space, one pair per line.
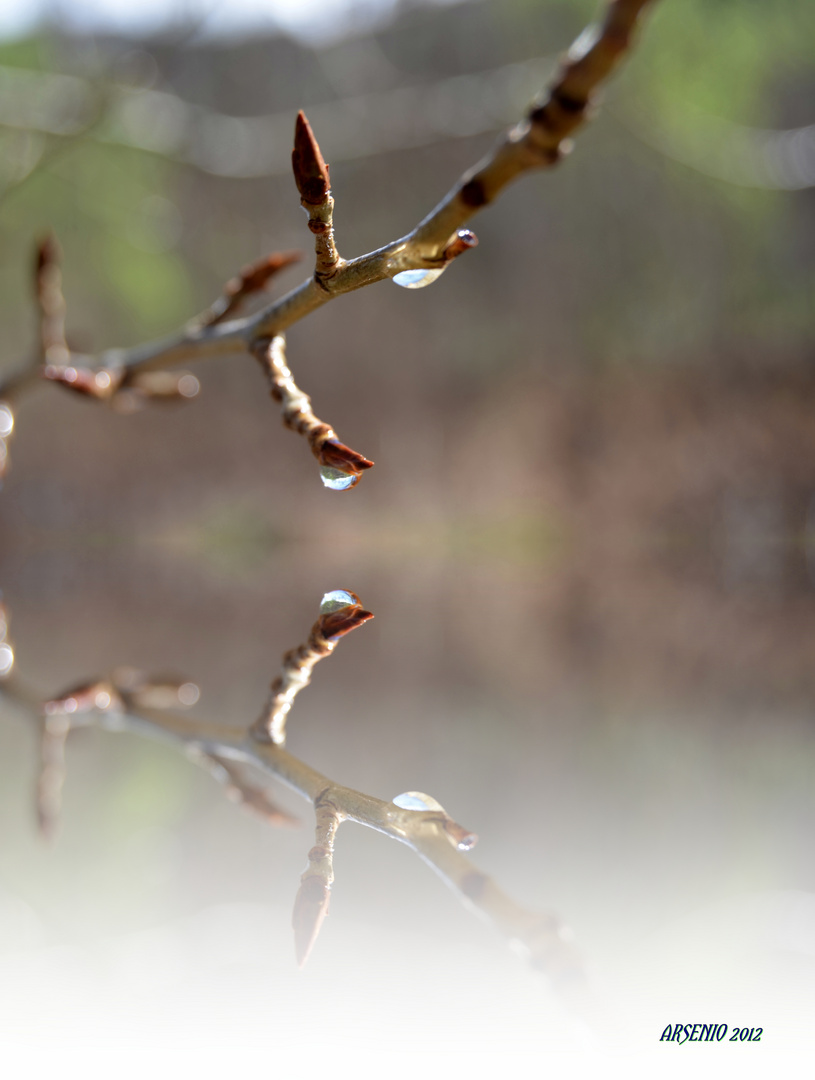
127,701
539,141
341,466
340,613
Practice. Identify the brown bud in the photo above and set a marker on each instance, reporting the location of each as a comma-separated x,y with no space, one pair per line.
337,455
462,838
310,170
335,624
461,242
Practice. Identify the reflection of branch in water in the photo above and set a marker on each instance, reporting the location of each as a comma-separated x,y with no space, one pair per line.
245,758
538,141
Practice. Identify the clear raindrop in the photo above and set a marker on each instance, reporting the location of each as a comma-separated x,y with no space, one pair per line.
417,279
338,598
6,421
417,800
336,479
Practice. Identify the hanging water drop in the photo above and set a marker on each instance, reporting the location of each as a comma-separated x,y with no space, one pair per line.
336,599
417,279
336,479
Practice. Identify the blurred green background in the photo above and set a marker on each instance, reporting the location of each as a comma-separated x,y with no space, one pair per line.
589,538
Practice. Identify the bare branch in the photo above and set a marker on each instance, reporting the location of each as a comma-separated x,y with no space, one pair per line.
126,701
341,466
252,279
538,141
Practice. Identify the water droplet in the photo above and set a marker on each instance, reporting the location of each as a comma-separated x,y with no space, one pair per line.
6,421
338,598
6,659
417,279
417,800
336,479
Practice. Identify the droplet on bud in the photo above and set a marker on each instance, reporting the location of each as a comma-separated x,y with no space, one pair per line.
336,479
336,599
6,421
417,279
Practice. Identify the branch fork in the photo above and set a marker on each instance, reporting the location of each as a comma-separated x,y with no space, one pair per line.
245,760
540,140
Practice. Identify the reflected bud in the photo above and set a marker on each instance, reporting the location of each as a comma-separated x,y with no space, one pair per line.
335,624
310,909
339,456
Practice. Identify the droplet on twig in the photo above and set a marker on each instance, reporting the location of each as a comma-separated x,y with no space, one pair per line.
461,838
336,599
417,279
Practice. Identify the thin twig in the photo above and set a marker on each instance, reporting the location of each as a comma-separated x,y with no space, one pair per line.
539,141
298,664
342,466
251,280
123,703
